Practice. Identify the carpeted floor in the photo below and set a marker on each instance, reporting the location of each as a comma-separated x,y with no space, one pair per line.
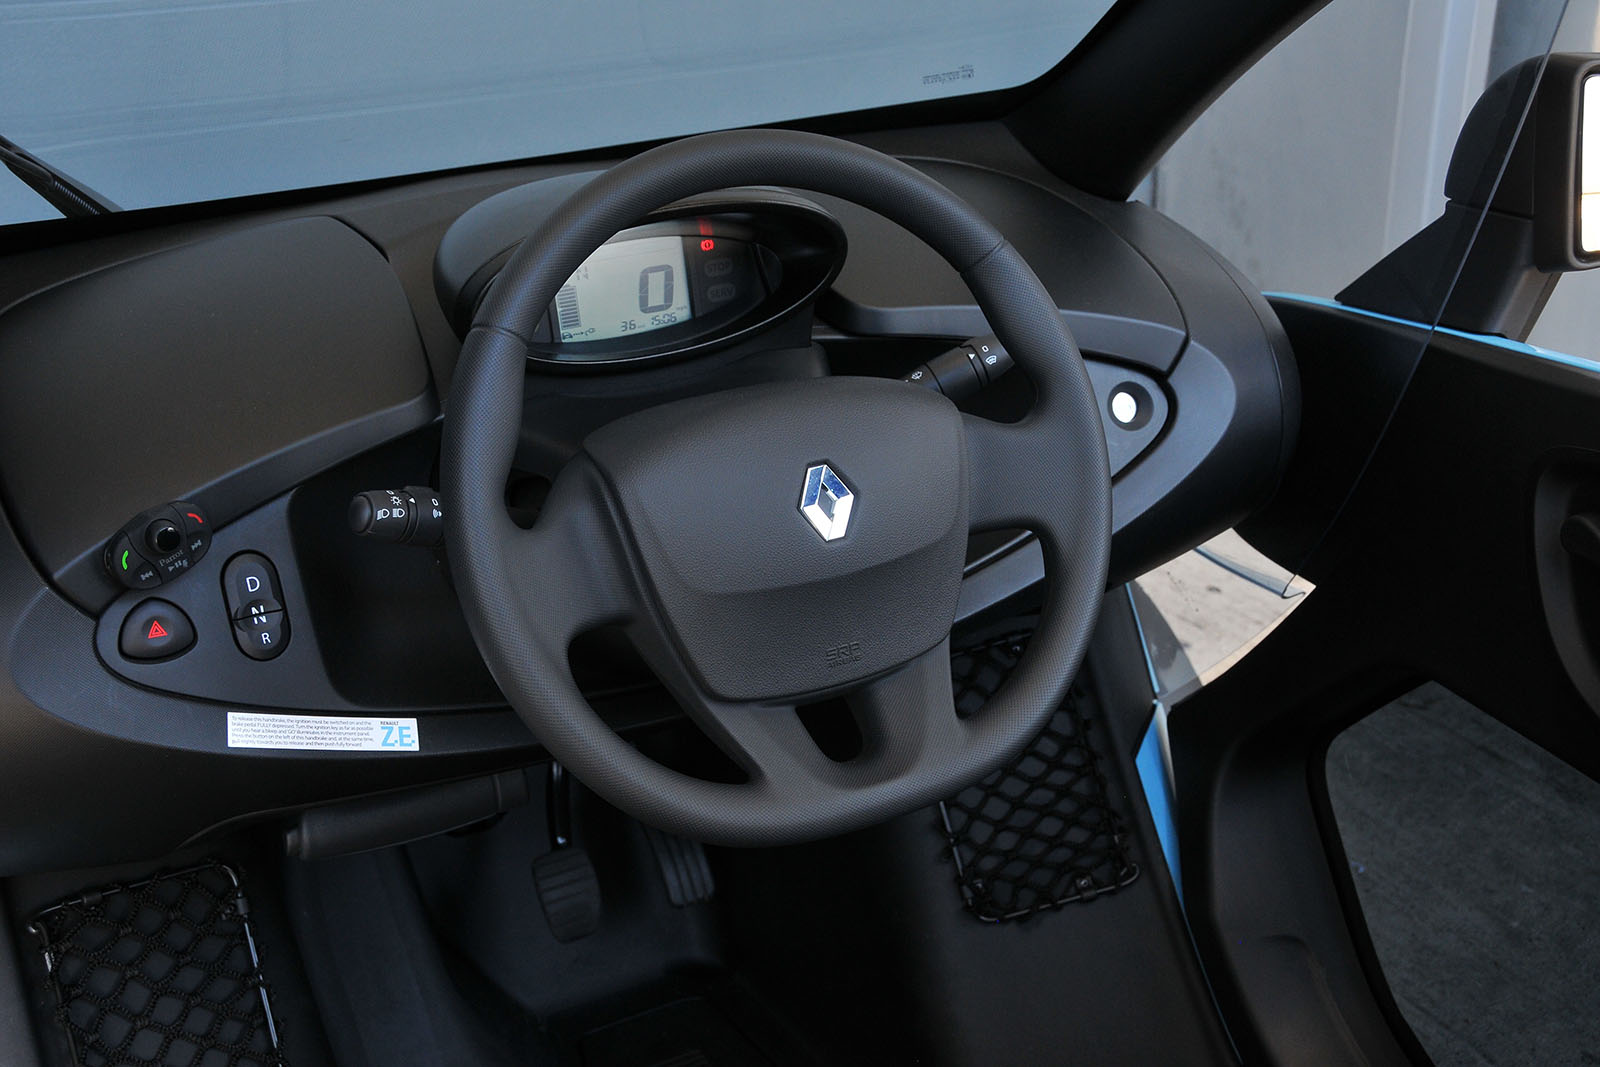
1477,860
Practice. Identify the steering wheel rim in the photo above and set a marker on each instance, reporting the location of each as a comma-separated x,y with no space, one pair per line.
606,549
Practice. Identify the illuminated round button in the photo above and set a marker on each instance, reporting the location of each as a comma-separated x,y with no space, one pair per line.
1124,406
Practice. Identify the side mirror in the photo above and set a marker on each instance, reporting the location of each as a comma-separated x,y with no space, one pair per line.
1522,207
1566,149
1589,167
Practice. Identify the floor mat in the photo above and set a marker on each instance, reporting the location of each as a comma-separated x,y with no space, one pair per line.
162,972
689,1032
1475,856
1041,833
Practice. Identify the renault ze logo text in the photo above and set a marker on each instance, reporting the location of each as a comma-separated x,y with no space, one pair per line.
826,502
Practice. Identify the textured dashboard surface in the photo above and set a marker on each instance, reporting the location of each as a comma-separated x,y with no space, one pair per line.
155,378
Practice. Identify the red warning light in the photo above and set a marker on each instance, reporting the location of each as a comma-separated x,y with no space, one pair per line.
707,245
156,630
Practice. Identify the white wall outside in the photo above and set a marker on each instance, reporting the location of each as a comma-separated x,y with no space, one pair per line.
1332,150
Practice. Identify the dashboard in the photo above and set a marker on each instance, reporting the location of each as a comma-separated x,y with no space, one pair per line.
263,370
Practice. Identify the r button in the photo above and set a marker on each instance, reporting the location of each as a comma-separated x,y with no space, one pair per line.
262,636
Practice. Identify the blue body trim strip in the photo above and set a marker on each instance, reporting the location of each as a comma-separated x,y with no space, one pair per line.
1520,347
1152,764
1158,795
1155,778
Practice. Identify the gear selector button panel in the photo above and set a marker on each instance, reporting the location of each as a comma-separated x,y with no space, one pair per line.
255,604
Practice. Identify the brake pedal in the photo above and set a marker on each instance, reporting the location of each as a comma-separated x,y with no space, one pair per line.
684,868
569,891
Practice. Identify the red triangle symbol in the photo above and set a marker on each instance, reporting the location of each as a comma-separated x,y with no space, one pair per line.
156,630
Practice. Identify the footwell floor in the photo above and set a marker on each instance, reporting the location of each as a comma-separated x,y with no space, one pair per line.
1476,857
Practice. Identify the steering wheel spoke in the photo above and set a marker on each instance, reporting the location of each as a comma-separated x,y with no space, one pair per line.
766,740
568,571
908,717
1007,462
910,733
769,742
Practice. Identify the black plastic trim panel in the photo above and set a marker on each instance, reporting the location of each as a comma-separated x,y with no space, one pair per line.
214,668
100,770
1104,118
1137,289
222,372
1112,297
1420,511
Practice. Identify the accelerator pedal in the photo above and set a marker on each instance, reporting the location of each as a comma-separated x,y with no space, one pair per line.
684,868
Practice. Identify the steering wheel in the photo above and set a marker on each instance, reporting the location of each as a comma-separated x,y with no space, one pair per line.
773,545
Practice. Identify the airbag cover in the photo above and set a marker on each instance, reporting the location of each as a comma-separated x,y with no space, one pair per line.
760,605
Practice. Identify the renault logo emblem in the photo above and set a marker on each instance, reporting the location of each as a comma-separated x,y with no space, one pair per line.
826,502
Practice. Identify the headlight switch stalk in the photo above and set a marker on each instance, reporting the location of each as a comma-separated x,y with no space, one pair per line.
408,516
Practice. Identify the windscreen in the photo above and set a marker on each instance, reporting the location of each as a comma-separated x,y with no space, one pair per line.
153,103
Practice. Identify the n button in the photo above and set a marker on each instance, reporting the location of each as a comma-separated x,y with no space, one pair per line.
261,634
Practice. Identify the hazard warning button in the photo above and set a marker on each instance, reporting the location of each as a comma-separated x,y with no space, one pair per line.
155,629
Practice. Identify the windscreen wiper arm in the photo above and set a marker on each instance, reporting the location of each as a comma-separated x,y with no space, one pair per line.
65,193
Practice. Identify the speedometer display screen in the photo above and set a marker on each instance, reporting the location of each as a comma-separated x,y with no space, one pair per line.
625,287
657,288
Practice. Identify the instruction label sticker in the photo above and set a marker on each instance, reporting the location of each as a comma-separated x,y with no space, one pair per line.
327,733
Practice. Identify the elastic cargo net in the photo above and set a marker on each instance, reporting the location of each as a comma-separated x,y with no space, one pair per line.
1041,833
161,972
